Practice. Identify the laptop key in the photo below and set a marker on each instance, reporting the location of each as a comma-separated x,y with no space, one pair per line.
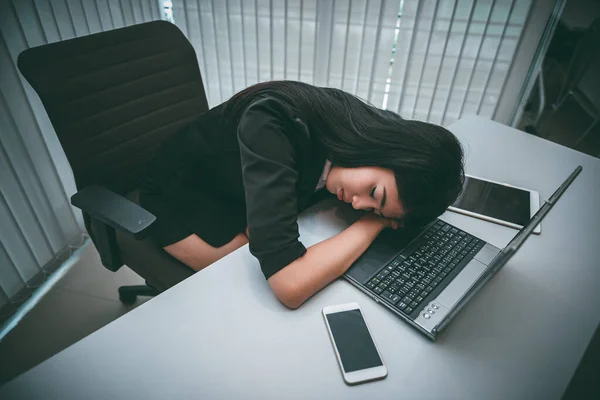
379,289
371,285
391,297
401,305
408,310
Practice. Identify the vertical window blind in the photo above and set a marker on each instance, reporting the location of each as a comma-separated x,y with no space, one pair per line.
336,43
38,227
432,60
452,57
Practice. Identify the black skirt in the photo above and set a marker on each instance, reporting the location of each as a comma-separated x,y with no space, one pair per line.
183,208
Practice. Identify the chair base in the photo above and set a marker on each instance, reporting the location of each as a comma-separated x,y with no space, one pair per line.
128,294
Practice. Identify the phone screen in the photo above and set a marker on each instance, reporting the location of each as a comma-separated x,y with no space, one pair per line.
353,340
494,200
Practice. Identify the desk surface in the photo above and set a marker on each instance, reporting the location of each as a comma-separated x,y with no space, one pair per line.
222,334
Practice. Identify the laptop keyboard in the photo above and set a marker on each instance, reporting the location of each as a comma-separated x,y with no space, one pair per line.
414,275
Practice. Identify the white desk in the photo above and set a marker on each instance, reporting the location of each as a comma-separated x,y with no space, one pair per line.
222,334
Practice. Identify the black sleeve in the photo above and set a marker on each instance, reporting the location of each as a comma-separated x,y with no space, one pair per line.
269,169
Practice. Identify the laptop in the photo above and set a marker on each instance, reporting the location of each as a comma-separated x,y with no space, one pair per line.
427,277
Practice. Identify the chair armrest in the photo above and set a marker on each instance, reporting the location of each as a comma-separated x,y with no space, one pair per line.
114,210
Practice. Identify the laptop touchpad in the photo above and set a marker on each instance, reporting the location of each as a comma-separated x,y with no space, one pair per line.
389,243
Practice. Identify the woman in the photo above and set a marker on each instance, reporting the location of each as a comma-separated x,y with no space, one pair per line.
245,169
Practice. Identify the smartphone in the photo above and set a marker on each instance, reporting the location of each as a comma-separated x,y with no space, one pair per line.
497,202
356,352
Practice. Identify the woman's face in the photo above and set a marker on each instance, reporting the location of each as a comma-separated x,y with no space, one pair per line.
367,188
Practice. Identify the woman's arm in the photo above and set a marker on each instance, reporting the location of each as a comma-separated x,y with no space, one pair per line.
326,261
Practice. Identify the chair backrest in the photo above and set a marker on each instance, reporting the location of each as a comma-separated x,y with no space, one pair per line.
113,96
582,73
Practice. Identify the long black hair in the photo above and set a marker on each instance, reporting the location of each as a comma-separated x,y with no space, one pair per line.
427,160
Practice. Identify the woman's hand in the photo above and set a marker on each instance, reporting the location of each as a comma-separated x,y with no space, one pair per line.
385,222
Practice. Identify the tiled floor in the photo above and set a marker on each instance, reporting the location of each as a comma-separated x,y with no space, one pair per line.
84,300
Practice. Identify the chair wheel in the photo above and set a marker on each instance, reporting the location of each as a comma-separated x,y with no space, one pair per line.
126,297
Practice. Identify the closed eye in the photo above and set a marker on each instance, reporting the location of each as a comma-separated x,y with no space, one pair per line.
373,192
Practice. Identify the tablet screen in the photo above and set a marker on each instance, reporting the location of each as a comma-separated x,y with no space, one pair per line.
494,200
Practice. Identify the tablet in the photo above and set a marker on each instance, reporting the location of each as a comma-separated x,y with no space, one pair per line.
497,202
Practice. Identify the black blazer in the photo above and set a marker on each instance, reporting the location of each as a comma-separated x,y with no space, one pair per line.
218,176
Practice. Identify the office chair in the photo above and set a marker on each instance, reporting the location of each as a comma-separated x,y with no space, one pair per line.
582,82
112,98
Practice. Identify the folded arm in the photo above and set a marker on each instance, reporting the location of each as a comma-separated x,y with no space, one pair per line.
324,262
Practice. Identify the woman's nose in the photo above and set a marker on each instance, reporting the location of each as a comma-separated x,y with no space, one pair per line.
359,204
355,202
